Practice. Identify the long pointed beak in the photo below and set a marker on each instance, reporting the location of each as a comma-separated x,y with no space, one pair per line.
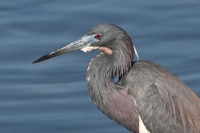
83,42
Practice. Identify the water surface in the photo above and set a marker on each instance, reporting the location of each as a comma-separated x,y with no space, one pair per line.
52,97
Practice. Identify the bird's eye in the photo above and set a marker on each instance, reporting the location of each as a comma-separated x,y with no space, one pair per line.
97,36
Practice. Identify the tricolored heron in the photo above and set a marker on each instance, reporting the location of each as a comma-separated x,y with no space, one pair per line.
147,98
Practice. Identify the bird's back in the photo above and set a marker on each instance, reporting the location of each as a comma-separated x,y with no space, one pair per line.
165,103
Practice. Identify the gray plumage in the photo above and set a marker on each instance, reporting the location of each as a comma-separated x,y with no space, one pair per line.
146,90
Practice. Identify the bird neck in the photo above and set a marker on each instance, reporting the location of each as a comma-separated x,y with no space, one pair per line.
101,71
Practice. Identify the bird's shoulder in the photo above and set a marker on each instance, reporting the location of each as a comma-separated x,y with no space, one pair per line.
145,74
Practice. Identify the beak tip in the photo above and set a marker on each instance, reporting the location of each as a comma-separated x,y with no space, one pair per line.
34,62
45,57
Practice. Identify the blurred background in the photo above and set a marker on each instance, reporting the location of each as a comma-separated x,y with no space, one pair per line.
52,96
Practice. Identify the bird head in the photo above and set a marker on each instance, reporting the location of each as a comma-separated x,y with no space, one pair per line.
102,37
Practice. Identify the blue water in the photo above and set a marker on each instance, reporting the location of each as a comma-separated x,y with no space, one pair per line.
52,97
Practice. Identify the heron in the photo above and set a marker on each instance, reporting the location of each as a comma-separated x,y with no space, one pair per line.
147,98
